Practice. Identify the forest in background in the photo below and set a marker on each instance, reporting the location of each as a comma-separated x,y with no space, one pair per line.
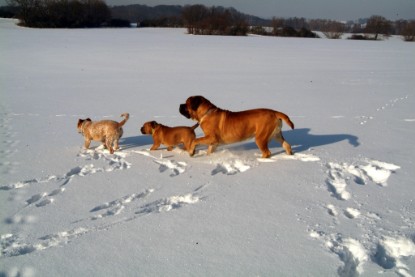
198,19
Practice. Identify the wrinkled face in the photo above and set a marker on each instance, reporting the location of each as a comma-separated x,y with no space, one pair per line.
80,123
148,127
195,107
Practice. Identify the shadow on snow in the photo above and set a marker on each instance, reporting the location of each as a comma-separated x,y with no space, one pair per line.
300,139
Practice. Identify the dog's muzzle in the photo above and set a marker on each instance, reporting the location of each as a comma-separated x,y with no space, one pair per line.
183,110
142,131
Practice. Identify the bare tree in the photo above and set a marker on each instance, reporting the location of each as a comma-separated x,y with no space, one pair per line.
277,24
192,16
378,25
408,31
201,20
333,29
28,10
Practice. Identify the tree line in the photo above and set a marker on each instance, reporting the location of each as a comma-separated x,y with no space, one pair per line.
198,19
201,20
373,28
61,13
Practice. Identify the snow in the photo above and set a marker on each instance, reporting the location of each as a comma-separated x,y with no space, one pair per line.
342,205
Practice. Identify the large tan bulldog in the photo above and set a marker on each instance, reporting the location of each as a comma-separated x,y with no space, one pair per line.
222,126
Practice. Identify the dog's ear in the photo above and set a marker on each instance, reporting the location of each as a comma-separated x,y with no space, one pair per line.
195,102
153,124
88,119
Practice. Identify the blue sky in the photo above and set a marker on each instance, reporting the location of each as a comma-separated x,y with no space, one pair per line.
327,9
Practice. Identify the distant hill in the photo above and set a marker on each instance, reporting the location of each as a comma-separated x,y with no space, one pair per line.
135,13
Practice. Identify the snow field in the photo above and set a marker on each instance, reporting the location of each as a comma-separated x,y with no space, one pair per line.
341,205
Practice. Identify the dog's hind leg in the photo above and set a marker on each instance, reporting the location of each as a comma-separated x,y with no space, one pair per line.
284,143
108,143
263,146
117,139
116,144
211,148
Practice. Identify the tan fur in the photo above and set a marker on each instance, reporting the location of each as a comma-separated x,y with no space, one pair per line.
169,136
222,126
106,131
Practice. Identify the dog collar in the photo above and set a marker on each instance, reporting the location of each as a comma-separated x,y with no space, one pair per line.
207,113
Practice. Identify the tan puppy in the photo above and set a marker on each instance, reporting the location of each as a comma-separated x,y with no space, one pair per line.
222,126
169,136
106,131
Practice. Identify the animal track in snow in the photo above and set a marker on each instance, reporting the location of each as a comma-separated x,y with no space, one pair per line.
373,170
168,204
336,182
115,207
45,202
231,167
224,161
114,162
364,119
351,253
390,251
176,168
56,191
296,156
12,245
379,172
391,103
332,210
352,213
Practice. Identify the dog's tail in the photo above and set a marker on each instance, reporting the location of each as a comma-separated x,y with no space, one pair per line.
194,126
285,117
126,117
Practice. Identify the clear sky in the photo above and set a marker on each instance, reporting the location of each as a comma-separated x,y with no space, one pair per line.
327,9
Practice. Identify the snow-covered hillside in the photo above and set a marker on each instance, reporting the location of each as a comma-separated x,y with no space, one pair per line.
341,206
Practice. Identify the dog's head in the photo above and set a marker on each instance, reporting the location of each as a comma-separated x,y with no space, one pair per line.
195,107
81,124
148,127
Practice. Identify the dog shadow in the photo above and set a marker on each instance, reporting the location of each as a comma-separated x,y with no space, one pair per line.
302,140
137,141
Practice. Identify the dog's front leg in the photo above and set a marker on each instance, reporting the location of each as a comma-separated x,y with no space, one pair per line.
87,143
156,143
211,141
155,146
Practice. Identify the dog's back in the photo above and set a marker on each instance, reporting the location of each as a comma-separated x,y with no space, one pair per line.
105,131
105,128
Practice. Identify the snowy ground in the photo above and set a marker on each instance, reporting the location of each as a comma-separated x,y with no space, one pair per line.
341,206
